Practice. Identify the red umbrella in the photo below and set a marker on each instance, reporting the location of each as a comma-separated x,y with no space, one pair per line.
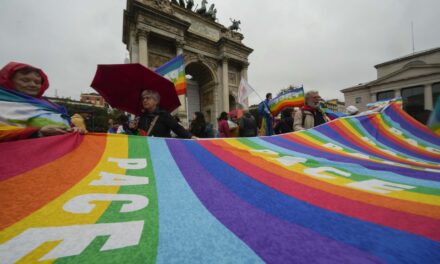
121,86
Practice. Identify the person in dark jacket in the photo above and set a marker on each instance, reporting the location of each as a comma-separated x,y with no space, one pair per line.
285,125
155,122
248,125
198,125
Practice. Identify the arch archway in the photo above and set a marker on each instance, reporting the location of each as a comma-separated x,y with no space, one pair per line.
200,90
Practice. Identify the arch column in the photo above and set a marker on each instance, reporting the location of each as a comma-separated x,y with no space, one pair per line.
429,104
225,89
143,47
179,46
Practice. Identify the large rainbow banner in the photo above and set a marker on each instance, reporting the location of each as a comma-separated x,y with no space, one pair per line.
363,189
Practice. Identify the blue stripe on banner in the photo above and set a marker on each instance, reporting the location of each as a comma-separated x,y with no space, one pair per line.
185,226
386,176
393,246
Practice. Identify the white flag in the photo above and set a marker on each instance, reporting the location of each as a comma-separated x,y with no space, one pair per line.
244,90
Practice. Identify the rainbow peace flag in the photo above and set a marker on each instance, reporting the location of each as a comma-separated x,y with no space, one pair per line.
174,70
21,115
363,189
293,98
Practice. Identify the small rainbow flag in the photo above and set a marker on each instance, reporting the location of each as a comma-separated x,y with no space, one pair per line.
174,70
358,189
293,98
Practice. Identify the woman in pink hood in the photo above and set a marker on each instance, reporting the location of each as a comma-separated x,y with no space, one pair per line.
24,113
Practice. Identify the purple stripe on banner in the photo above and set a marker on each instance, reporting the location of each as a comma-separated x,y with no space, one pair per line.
273,239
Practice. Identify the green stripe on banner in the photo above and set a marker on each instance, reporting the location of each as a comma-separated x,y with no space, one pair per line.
146,250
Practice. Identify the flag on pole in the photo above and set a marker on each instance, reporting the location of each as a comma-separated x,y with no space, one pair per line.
434,119
174,70
244,90
292,98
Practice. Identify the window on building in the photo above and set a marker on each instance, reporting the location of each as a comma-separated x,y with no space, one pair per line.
414,103
435,92
385,95
358,100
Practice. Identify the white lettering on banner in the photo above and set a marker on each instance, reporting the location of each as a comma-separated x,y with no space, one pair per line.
432,170
82,204
412,142
369,141
109,179
74,239
359,155
333,146
433,150
417,161
389,152
395,131
130,164
289,160
265,151
316,172
379,186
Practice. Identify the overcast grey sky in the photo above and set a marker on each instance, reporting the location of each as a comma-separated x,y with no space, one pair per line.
326,45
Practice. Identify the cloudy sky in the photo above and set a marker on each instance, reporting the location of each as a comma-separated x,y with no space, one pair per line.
326,45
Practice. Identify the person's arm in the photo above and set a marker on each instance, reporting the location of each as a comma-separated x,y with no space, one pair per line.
180,131
297,122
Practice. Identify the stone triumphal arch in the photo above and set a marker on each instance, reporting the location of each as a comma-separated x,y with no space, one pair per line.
155,31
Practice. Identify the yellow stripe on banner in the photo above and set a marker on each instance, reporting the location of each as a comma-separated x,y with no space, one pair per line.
53,215
338,180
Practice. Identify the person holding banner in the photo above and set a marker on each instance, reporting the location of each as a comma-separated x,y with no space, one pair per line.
155,122
311,114
23,112
267,121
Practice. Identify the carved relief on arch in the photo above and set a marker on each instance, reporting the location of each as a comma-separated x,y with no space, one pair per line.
163,5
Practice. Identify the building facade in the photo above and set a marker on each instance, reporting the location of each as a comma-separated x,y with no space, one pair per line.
155,31
416,78
92,98
335,105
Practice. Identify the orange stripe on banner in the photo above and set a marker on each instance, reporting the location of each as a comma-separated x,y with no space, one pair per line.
368,198
22,195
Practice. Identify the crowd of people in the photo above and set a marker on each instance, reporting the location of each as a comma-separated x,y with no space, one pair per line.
27,84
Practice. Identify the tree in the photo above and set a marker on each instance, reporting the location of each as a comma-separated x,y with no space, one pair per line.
96,118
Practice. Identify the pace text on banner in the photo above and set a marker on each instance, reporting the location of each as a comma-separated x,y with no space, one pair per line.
174,70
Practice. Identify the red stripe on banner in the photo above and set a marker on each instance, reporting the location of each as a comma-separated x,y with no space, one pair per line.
33,153
264,172
23,194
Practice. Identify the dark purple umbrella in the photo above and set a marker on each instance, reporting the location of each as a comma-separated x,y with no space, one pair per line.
121,86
